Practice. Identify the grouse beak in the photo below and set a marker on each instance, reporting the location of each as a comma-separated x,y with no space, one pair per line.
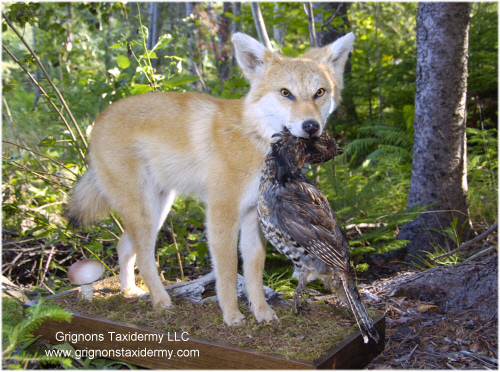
276,137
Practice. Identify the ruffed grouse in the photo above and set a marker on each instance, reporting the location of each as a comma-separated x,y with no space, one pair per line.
297,219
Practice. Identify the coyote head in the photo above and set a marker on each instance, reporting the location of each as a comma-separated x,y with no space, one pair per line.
294,93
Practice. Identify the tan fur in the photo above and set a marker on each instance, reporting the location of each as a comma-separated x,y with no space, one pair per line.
144,149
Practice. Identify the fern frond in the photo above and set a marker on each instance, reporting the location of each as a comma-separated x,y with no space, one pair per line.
409,117
361,145
41,312
398,138
15,361
390,149
35,315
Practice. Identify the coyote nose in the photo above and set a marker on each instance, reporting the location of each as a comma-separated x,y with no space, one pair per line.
310,127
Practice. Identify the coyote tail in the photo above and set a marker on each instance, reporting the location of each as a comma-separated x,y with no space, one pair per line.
88,203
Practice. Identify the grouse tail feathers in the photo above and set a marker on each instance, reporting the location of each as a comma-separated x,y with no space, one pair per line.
364,321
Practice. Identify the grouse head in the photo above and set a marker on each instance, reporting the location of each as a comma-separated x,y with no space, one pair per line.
321,149
287,152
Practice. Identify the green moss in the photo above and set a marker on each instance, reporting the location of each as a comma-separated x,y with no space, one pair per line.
318,327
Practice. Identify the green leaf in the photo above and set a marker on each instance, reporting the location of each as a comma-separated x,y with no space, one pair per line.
226,94
149,54
47,142
123,62
289,52
178,80
116,45
163,41
8,87
140,89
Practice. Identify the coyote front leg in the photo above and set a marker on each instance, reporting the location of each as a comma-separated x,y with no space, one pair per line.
253,250
222,224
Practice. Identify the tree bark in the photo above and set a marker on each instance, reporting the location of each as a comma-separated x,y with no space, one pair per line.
224,48
327,34
260,25
194,56
236,28
278,28
439,169
308,7
153,29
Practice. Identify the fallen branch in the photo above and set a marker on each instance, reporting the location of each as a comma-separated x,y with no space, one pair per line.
481,357
194,290
469,243
482,253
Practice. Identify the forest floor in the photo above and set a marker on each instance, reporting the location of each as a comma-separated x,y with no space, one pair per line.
439,318
445,317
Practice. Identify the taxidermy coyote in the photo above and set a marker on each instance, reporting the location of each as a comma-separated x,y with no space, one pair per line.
145,149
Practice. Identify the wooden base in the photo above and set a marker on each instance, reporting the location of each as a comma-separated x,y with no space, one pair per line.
156,349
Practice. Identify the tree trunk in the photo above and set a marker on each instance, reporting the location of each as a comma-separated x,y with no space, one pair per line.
153,29
308,7
439,170
327,34
224,48
278,28
194,55
236,28
260,25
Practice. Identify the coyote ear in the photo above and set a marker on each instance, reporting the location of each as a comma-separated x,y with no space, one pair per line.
339,51
249,54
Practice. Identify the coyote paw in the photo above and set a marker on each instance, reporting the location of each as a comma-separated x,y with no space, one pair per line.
160,300
133,291
163,303
264,314
234,319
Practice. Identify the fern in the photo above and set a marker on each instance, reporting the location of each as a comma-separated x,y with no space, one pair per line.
17,332
482,174
393,138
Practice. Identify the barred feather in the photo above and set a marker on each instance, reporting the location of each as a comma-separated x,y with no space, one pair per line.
297,220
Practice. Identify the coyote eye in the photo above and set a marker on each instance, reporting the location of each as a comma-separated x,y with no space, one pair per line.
319,93
285,92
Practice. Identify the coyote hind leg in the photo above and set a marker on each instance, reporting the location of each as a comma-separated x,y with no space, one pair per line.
126,259
127,254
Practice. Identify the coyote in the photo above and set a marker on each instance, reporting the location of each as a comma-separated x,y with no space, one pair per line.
145,149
